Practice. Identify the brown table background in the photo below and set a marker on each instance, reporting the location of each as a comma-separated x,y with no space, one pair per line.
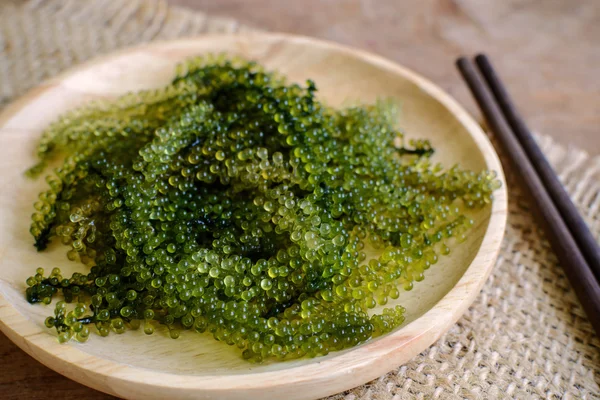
547,51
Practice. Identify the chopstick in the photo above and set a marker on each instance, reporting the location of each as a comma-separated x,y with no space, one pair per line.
568,253
580,231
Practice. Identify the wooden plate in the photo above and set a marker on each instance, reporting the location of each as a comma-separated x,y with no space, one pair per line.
156,367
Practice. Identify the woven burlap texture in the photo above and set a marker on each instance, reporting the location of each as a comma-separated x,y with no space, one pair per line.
525,337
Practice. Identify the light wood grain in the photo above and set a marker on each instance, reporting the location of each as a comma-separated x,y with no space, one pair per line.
133,366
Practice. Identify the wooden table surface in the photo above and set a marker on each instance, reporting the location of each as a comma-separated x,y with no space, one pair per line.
548,53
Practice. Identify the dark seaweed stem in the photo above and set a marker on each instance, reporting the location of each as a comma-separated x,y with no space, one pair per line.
48,287
87,320
421,152
42,240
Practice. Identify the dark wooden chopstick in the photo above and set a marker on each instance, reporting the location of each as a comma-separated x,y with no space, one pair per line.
564,245
580,231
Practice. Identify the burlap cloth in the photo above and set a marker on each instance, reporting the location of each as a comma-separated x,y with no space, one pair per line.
526,336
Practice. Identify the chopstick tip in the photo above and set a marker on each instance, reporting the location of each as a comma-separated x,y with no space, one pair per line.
461,61
481,58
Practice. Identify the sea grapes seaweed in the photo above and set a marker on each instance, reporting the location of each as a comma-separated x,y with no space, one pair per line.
234,203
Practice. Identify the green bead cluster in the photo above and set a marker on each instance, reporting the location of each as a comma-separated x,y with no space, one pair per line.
233,203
